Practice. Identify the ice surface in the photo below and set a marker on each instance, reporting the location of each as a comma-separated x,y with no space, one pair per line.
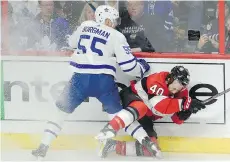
71,155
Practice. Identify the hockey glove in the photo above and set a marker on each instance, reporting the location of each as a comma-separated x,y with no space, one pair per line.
181,116
192,105
144,66
184,115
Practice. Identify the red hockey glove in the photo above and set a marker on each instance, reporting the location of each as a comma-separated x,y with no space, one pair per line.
192,105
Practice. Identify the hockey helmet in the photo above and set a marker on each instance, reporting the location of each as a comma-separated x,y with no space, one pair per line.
104,12
181,74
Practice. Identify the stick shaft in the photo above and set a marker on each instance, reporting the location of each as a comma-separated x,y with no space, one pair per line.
217,95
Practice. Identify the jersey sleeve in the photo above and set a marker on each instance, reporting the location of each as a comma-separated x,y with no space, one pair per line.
166,105
183,93
176,117
125,58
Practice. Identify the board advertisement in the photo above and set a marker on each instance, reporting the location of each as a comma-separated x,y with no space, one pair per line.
31,88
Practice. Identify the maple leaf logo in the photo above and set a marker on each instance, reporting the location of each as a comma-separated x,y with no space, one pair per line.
106,10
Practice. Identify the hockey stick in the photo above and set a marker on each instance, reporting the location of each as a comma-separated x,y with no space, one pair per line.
212,98
216,96
91,5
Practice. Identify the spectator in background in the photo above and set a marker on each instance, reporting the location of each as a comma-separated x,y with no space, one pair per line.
180,37
18,15
73,10
143,32
209,41
22,13
190,12
70,10
209,12
59,9
87,13
163,9
133,29
48,31
195,16
112,3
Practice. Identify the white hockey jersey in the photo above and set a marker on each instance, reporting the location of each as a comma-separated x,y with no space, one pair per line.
99,48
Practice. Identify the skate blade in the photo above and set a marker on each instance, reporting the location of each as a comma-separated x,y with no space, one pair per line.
100,148
101,152
37,158
102,136
158,153
40,158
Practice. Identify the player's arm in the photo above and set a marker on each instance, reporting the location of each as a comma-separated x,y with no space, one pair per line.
125,59
183,93
167,105
180,117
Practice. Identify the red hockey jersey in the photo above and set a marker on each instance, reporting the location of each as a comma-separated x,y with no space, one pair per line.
153,90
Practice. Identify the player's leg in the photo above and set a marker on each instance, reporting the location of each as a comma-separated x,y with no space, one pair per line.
147,124
135,111
134,108
124,148
134,129
109,95
72,96
120,121
134,148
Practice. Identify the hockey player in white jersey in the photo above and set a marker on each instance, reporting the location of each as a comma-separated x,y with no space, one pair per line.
98,48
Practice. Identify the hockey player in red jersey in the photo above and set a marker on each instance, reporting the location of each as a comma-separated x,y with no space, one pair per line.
153,97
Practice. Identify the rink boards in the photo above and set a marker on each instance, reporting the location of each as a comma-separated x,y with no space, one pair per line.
29,95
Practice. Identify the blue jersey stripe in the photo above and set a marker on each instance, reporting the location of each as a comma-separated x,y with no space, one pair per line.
135,130
88,66
127,127
130,68
126,62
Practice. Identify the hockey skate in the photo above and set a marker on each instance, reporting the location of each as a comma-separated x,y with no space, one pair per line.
106,147
106,133
152,147
40,152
